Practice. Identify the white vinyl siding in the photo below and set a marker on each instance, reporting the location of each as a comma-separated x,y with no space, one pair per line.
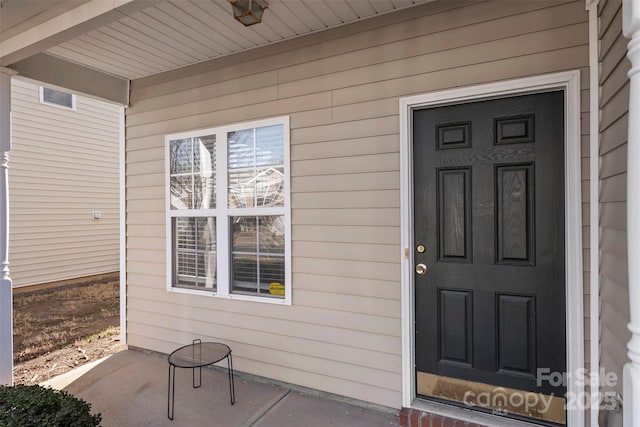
63,166
341,89
614,105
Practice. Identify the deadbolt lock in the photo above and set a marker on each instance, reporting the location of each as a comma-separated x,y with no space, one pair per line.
421,269
420,249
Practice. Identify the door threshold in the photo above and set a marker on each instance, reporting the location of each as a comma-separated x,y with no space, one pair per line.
533,407
468,415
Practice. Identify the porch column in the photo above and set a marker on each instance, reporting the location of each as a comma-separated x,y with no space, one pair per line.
6,296
631,373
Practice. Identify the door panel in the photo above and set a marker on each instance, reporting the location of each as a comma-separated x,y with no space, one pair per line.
454,207
489,209
515,211
455,325
516,335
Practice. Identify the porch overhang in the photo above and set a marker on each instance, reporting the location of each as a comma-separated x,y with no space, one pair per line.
55,71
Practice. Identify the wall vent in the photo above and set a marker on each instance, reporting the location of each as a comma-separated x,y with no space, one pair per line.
58,98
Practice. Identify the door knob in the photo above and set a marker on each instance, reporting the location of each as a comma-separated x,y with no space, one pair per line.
421,269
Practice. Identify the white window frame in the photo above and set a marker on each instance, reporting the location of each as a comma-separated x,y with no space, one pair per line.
53,104
222,212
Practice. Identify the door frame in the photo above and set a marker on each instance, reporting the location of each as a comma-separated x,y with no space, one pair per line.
569,82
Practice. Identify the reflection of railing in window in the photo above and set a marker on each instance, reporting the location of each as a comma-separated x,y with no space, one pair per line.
251,276
177,197
257,254
264,189
196,254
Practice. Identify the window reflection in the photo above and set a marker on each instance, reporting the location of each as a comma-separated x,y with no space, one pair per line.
256,167
257,255
195,249
192,173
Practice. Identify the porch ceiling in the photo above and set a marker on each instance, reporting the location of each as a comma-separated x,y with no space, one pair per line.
143,37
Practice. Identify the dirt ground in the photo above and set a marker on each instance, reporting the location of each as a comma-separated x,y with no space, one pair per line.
59,329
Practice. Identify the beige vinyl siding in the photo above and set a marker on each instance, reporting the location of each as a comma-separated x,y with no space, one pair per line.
614,105
341,89
63,165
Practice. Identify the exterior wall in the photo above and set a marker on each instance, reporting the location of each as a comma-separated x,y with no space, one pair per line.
63,165
614,105
341,88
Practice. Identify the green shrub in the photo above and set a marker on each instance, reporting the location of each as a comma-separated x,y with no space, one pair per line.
26,406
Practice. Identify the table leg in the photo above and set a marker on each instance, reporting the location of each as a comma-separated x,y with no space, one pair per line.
196,345
199,377
232,388
171,391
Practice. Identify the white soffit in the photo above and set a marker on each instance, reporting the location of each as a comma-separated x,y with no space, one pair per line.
174,33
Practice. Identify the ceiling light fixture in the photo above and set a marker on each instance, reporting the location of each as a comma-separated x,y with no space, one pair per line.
249,12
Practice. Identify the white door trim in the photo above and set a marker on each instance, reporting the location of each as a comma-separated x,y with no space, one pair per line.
568,81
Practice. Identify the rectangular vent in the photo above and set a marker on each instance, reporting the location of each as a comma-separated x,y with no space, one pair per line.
57,98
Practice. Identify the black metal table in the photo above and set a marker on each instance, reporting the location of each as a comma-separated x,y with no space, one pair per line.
197,355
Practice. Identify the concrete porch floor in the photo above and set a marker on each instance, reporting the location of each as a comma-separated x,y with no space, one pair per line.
130,389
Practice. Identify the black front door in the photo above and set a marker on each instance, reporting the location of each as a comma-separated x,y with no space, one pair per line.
490,249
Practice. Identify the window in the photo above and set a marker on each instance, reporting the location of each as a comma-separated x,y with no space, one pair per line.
58,98
228,214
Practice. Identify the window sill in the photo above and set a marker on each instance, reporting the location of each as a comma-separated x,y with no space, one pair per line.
285,301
